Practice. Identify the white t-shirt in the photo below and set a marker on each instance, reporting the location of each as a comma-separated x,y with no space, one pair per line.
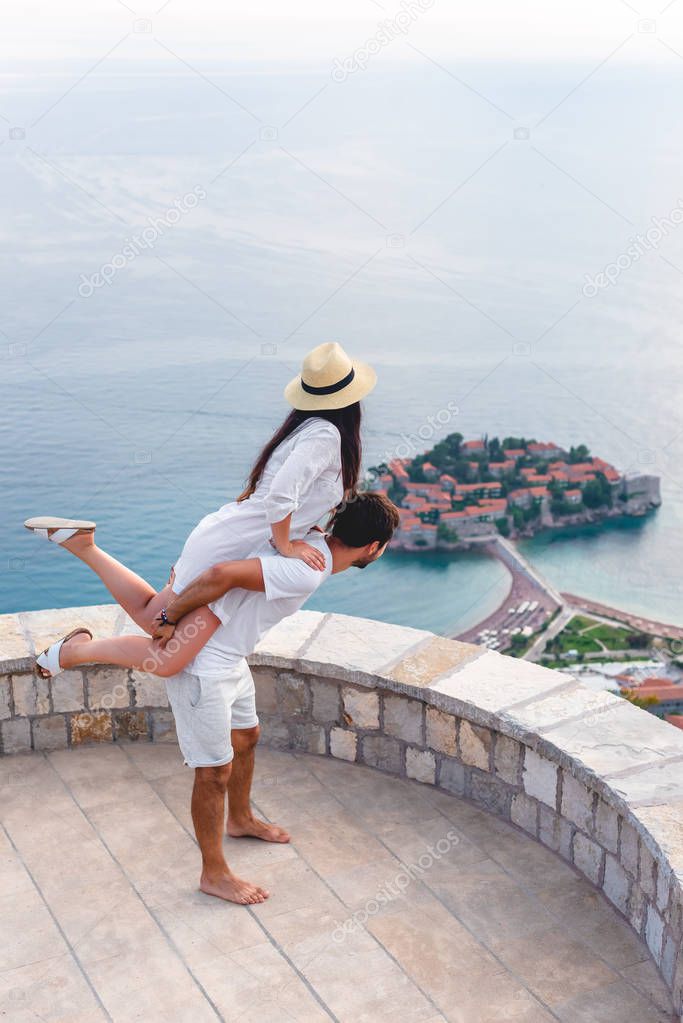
246,615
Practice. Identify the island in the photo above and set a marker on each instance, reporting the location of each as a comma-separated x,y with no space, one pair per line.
485,493
469,490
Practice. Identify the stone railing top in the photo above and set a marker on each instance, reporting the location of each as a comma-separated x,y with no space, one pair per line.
631,758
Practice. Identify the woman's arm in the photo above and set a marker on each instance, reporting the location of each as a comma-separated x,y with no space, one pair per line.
295,548
311,455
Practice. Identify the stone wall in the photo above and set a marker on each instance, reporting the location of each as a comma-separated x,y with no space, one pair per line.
590,776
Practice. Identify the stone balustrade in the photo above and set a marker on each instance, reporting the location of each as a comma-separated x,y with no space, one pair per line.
595,779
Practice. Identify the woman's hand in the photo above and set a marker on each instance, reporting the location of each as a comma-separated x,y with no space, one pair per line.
306,552
163,633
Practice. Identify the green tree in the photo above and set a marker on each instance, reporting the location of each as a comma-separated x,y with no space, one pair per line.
516,442
503,526
495,450
638,640
446,533
416,473
579,454
597,493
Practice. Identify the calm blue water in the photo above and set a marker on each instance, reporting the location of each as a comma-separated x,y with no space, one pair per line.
142,405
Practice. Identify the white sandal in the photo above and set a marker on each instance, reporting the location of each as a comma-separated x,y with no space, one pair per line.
58,530
47,663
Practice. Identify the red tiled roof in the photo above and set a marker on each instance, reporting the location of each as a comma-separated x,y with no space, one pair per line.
539,491
468,488
542,446
572,493
472,445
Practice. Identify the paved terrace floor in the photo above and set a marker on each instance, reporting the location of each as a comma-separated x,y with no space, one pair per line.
100,917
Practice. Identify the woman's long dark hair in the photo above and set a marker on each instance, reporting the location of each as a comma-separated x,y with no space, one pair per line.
347,420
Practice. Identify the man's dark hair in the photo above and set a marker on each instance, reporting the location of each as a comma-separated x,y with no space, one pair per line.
364,518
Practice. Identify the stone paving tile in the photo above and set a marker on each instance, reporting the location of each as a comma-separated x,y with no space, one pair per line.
587,915
155,761
27,931
527,861
488,901
553,966
608,1004
422,941
263,984
495,928
13,877
429,838
53,990
335,843
356,978
99,778
377,798
645,978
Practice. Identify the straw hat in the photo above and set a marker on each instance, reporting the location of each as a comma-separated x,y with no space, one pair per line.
329,379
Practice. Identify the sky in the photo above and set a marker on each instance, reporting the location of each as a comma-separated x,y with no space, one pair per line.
322,31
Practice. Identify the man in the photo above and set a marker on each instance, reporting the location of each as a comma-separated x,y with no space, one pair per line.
212,696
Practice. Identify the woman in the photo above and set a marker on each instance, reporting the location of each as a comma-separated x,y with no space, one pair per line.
307,468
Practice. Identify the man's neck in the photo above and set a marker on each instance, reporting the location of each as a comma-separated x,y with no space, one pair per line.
342,556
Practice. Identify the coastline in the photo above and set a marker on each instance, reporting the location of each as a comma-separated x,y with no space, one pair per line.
527,584
634,621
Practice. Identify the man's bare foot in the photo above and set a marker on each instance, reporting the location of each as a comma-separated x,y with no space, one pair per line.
251,827
232,889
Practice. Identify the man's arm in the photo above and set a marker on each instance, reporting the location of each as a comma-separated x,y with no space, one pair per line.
213,583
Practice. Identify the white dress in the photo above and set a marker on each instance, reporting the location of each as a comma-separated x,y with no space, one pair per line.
302,476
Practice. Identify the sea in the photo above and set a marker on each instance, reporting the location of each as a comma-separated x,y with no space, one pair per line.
176,238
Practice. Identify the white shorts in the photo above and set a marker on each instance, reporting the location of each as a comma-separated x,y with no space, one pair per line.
205,710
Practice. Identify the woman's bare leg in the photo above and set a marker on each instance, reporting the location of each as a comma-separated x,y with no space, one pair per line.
148,655
137,598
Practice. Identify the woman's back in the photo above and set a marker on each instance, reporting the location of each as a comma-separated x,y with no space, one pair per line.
302,477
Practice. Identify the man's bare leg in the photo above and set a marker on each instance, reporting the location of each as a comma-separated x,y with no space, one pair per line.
137,598
241,820
208,814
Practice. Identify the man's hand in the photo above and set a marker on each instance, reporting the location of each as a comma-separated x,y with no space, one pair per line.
163,633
